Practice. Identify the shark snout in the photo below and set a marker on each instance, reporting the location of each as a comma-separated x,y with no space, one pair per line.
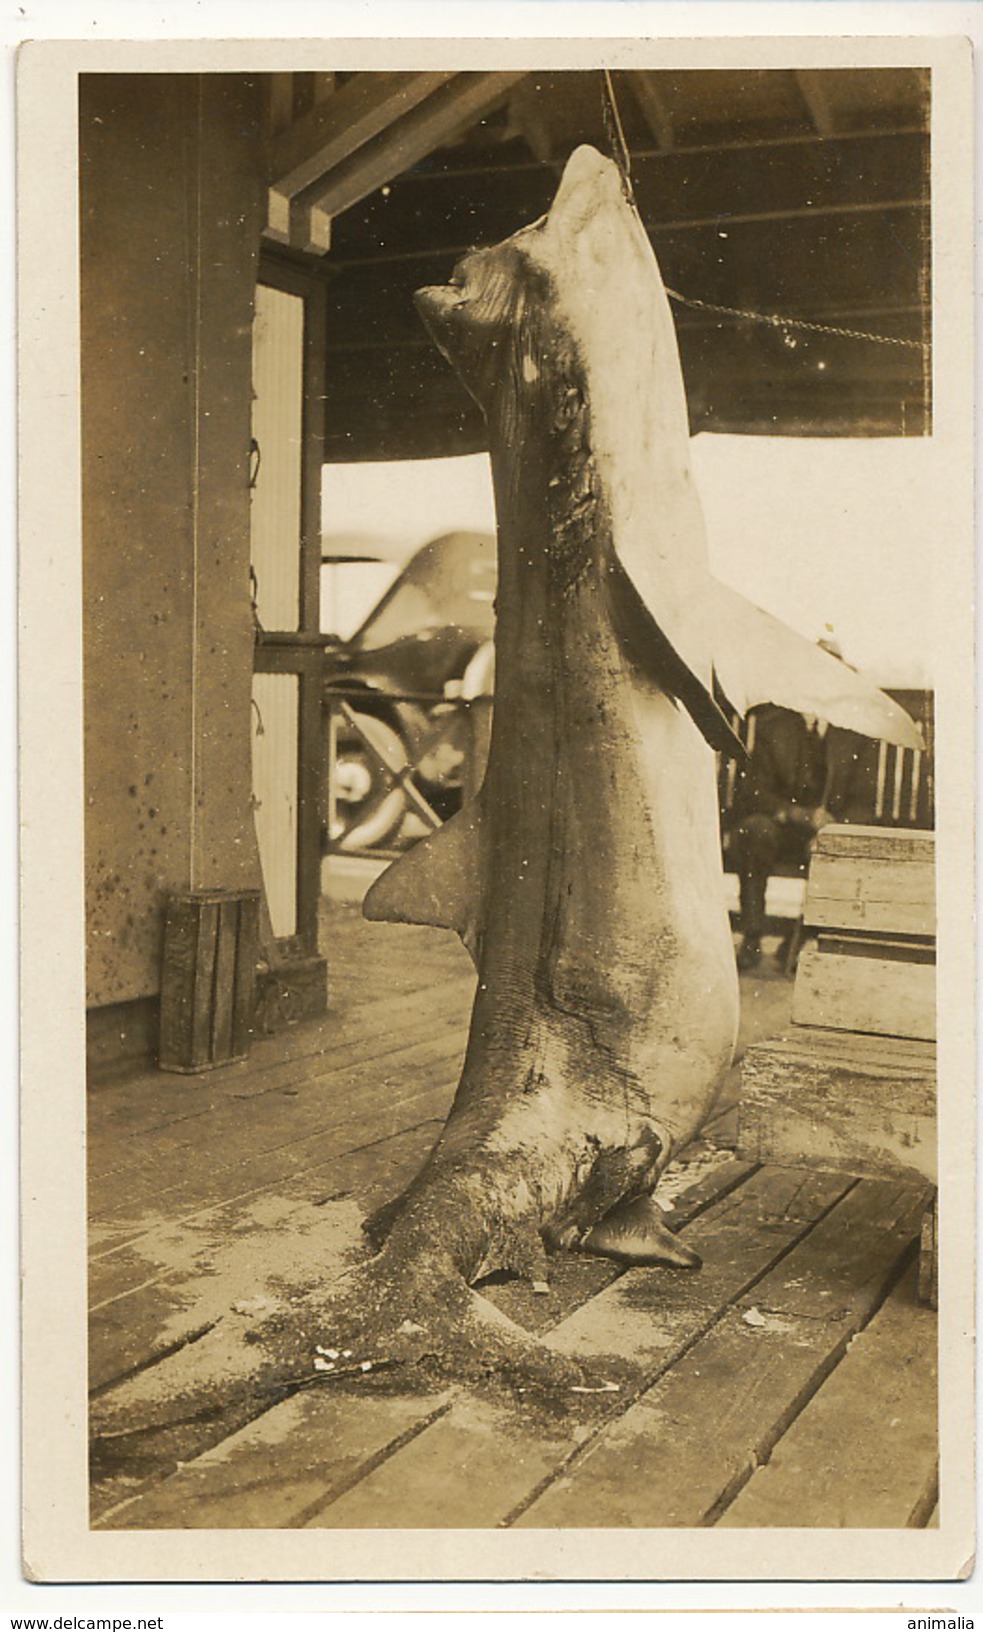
589,183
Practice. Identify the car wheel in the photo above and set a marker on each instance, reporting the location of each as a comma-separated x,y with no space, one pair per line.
368,810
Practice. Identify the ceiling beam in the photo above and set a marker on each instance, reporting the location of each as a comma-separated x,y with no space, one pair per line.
700,223
298,226
669,188
813,85
528,118
766,145
280,102
410,138
341,122
337,122
310,228
651,100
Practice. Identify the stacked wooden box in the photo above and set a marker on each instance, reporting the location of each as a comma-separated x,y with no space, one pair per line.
852,1085
871,902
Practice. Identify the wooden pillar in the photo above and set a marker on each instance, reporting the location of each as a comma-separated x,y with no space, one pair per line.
171,208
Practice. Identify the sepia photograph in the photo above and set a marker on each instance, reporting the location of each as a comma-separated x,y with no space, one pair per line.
525,766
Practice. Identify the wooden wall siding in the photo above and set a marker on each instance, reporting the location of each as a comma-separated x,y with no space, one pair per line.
278,339
171,201
275,727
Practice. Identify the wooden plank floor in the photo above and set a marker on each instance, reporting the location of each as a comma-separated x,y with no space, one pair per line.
789,1382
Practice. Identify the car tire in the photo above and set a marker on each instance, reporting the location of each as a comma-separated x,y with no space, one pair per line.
367,814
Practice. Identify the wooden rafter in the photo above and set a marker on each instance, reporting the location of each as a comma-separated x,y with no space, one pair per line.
339,124
651,100
280,102
813,87
301,226
529,118
407,140
335,123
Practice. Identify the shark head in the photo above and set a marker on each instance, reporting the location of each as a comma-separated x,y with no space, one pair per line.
570,316
577,291
510,312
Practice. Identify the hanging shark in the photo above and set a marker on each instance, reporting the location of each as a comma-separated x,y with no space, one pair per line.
585,877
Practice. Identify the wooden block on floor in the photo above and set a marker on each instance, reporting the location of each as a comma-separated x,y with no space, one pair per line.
886,996
864,1452
824,1099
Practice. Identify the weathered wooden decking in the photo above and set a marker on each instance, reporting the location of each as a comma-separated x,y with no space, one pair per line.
789,1382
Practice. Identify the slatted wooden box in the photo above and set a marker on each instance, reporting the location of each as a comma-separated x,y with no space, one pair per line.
870,902
852,1085
208,978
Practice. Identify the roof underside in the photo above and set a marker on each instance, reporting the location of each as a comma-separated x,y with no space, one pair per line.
796,195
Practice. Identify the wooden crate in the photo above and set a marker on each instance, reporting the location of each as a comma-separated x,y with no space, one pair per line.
873,881
870,905
208,978
852,1085
884,991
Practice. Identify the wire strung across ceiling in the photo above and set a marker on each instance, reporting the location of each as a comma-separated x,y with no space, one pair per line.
620,152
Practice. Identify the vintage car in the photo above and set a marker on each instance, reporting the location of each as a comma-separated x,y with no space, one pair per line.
391,692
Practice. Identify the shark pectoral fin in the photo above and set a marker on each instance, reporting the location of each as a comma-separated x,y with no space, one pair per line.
635,1232
759,659
438,882
649,648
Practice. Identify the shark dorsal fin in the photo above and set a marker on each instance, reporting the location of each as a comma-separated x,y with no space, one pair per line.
439,881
